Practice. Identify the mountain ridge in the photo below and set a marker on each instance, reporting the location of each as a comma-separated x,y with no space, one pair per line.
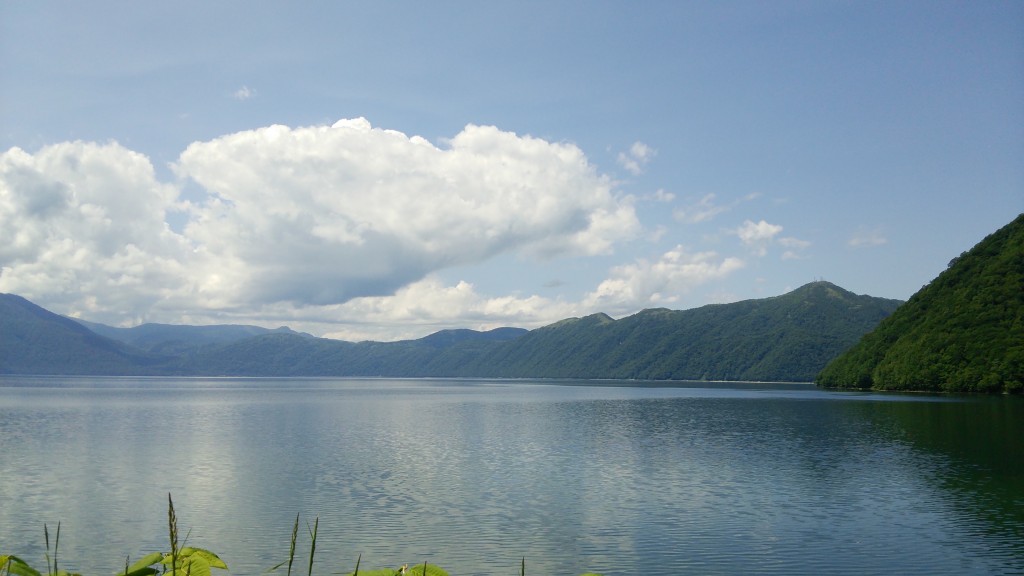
37,341
788,337
176,339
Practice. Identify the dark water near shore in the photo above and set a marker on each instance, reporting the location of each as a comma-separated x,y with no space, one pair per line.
611,477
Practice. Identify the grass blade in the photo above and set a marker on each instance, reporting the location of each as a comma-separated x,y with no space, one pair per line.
46,537
312,546
56,546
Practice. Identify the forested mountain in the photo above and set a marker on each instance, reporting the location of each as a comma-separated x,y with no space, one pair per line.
175,339
36,341
784,338
963,332
788,337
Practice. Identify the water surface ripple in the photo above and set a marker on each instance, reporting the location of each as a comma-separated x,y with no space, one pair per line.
611,477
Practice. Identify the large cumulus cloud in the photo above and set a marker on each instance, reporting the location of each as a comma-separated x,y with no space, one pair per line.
306,216
328,213
85,225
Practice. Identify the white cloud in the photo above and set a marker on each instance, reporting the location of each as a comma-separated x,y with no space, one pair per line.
867,238
325,214
659,283
294,218
758,235
661,195
638,156
794,243
332,229
657,233
794,248
84,225
244,93
707,208
427,306
701,210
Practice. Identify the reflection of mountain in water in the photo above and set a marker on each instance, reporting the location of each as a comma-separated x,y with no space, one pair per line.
979,444
932,481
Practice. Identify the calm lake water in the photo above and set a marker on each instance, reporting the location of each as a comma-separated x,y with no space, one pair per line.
612,477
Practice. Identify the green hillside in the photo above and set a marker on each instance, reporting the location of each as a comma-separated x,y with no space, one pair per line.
36,341
785,338
963,332
788,338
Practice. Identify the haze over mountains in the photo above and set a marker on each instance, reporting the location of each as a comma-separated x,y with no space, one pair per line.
786,338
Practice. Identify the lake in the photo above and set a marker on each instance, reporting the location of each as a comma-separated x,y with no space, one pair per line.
473,475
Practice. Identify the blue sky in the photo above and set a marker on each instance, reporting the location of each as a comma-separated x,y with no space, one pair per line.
382,170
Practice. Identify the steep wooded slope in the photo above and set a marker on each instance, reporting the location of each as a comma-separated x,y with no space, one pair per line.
963,332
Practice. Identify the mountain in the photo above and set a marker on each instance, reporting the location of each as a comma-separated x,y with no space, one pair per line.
785,338
176,339
445,338
288,355
963,332
789,338
36,341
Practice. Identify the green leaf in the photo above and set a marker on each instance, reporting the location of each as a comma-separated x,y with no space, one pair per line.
213,560
143,566
193,562
428,570
193,566
144,571
10,564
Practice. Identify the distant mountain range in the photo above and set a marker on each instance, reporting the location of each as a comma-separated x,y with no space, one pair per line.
783,338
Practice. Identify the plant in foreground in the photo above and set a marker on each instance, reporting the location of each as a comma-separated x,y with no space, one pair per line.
184,560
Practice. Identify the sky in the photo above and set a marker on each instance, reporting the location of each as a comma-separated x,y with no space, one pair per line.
385,170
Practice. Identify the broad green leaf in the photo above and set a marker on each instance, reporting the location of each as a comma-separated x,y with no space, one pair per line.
210,557
144,571
10,564
143,566
431,570
191,566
